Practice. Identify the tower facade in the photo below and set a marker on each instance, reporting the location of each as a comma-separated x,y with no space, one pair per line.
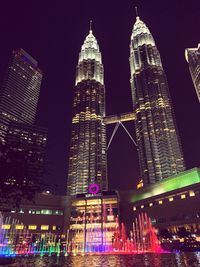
160,153
19,96
20,91
192,56
87,161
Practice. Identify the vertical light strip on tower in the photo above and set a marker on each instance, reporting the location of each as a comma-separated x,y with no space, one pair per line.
87,161
160,153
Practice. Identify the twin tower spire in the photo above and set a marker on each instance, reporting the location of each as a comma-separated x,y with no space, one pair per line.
159,149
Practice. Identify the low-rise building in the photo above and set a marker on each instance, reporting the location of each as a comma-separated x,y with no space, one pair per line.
171,203
46,213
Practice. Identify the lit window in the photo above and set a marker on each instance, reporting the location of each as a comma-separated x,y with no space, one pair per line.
44,227
46,212
142,206
19,227
171,199
191,194
32,227
110,217
5,226
150,204
21,211
183,196
57,212
134,208
160,202
53,227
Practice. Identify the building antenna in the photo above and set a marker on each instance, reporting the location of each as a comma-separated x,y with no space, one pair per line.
90,25
136,11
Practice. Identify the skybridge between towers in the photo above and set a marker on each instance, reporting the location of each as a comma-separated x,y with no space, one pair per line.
111,119
119,119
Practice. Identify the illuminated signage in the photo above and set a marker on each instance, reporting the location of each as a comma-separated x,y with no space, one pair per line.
94,189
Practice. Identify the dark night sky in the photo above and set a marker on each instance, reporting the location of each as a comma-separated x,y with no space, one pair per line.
53,32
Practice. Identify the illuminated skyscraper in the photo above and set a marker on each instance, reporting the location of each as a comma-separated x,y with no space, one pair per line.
20,91
19,96
192,56
87,161
160,153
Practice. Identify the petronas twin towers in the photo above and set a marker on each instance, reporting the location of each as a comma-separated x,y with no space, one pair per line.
87,160
160,154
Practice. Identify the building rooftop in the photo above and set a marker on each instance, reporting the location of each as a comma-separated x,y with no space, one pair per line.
176,182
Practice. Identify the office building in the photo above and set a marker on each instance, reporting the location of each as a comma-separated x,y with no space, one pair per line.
19,92
23,144
192,56
160,153
31,140
87,161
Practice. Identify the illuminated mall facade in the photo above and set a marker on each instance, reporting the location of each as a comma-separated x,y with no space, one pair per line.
94,220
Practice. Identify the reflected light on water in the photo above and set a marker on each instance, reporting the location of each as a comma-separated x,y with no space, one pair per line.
139,260
178,259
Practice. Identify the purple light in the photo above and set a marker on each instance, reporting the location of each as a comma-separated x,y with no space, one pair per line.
93,189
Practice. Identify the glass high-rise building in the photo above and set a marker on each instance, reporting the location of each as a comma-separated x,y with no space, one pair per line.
160,153
87,161
192,56
20,90
19,96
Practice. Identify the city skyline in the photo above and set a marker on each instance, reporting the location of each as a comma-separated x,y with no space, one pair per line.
113,37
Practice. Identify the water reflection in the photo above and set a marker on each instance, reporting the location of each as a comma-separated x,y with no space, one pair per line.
139,260
178,258
191,259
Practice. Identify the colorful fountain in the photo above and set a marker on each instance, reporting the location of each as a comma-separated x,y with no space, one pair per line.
92,235
5,247
17,240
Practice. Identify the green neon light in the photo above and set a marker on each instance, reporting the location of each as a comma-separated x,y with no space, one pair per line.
178,181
